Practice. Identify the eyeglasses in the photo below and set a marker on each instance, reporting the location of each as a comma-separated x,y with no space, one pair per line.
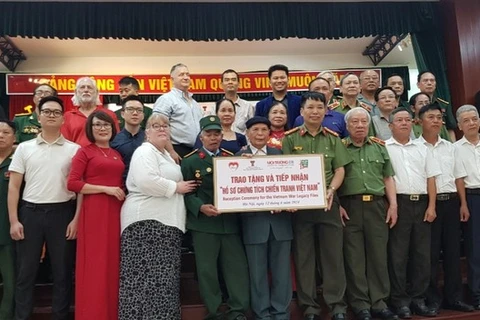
54,113
158,127
40,93
133,110
100,126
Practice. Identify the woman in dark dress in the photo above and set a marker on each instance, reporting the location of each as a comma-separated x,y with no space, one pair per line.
232,141
97,174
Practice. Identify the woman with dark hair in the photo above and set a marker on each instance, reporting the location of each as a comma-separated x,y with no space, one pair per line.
277,115
231,141
97,174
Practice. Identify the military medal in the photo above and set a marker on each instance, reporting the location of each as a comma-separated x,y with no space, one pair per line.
197,174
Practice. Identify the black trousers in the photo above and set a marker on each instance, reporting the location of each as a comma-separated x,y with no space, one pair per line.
45,223
472,244
409,250
446,238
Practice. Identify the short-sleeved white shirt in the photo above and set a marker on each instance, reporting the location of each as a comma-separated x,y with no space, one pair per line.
413,163
45,168
468,159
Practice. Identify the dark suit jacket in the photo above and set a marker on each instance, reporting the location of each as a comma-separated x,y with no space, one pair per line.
256,226
293,108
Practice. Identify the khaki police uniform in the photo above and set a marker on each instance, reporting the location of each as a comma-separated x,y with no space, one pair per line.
366,233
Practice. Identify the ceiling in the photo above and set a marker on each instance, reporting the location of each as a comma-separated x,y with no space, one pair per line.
34,48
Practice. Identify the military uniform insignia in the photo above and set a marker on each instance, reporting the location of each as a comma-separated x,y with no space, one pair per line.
226,153
197,174
298,148
293,130
377,140
345,142
326,130
212,119
333,105
189,154
443,101
366,106
209,170
31,130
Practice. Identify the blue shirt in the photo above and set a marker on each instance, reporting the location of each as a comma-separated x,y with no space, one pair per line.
333,120
184,115
126,143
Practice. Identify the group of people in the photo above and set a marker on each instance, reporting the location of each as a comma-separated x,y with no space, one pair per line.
127,191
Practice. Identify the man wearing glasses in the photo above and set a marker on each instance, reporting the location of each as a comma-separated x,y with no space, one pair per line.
27,123
47,210
132,135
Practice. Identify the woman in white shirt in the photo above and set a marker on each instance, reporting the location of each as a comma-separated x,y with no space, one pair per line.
152,224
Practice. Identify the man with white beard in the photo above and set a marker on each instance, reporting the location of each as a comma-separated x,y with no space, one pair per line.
86,98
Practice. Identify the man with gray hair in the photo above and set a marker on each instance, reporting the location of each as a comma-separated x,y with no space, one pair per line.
467,157
183,112
368,181
87,100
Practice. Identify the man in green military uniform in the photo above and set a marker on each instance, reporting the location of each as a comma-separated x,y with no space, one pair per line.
319,228
216,236
417,101
350,88
129,86
367,180
7,266
27,123
427,83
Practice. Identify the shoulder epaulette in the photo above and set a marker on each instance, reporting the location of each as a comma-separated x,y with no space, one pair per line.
189,154
333,105
291,131
22,114
226,151
325,130
366,106
377,140
443,101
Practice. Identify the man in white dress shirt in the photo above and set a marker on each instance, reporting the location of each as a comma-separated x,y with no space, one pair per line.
468,157
446,227
409,241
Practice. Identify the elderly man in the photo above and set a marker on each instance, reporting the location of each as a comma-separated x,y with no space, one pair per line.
278,76
27,123
369,83
129,86
87,100
267,237
409,242
467,156
7,249
446,227
47,211
216,237
350,88
244,110
396,83
427,83
368,180
182,111
132,135
333,120
322,228
333,84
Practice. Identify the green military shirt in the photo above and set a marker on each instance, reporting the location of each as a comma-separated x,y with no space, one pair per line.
341,106
448,117
327,142
198,165
5,238
371,164
27,126
418,130
147,112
